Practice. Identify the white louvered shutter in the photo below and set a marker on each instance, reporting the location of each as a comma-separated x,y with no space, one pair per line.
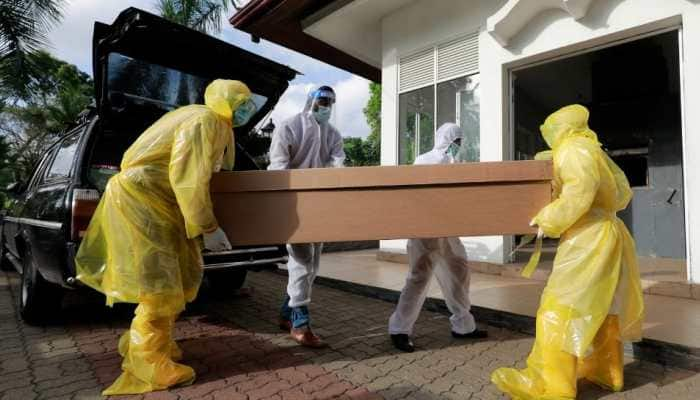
417,70
458,57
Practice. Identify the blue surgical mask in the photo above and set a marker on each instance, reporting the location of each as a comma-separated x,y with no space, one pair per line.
244,113
322,114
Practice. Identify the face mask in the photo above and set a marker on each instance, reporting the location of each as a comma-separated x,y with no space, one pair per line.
244,113
453,150
322,114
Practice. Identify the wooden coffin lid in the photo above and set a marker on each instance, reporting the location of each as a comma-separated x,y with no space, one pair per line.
386,176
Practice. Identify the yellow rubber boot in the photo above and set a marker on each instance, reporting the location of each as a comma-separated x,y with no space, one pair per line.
550,374
148,349
605,366
175,351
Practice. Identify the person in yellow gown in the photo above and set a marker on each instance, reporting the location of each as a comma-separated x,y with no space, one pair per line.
593,299
143,246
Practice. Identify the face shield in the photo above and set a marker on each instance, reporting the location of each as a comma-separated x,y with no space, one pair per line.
321,105
244,113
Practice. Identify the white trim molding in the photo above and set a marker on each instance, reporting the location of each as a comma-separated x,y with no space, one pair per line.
516,14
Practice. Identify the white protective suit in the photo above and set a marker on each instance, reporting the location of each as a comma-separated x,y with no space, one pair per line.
301,142
445,256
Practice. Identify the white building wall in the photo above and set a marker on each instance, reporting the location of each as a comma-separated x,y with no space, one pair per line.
551,34
418,26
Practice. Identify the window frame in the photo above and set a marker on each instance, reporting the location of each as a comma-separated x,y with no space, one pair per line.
37,178
434,85
435,82
56,148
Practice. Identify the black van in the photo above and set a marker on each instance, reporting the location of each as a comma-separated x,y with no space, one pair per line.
143,67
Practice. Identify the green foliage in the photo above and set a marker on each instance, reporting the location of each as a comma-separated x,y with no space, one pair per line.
32,123
202,15
360,152
6,174
24,25
373,109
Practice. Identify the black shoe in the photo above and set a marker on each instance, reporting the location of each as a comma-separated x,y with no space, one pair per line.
402,342
476,334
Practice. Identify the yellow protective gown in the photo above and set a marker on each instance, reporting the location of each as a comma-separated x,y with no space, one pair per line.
141,244
595,272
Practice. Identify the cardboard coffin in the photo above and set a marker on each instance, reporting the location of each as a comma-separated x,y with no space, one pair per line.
370,203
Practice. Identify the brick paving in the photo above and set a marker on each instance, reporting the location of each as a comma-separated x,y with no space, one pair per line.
239,353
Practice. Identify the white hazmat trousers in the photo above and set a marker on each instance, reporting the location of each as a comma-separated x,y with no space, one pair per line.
304,261
446,257
301,142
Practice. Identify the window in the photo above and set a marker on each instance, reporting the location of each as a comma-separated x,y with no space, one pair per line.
458,102
166,87
417,124
39,171
438,86
63,162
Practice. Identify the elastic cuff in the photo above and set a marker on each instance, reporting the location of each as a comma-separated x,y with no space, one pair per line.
210,230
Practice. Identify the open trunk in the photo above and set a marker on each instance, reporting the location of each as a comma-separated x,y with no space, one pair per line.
145,66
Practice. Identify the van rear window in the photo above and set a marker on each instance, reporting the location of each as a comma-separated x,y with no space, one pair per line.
166,87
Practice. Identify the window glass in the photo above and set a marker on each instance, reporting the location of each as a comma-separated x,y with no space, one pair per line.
166,87
63,162
41,169
458,102
416,123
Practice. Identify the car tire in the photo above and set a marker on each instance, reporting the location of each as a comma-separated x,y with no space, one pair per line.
226,283
39,300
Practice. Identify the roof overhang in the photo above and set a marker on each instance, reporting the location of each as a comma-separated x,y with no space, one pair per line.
282,22
353,26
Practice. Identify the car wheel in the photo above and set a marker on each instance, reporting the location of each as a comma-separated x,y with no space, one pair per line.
225,283
39,300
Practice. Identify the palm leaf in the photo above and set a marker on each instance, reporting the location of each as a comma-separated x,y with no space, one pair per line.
23,31
202,15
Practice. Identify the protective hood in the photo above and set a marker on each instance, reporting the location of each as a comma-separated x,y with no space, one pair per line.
445,135
325,92
569,121
224,96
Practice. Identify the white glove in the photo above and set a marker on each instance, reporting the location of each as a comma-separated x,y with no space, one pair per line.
216,241
540,232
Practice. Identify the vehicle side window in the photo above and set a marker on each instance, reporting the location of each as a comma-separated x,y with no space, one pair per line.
40,169
63,161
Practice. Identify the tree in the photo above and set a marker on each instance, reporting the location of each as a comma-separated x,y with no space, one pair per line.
23,31
202,15
354,152
373,114
29,126
6,174
360,152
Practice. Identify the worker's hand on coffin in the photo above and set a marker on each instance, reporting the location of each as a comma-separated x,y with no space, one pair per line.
216,241
540,232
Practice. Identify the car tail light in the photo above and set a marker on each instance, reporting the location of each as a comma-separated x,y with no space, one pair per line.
84,204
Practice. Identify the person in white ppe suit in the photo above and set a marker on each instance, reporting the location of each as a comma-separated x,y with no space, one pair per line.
446,257
306,140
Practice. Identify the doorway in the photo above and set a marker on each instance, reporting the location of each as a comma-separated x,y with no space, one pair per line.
633,92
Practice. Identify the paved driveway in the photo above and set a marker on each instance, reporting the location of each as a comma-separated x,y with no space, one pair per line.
239,353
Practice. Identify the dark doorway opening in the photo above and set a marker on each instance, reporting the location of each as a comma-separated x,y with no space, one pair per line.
633,93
